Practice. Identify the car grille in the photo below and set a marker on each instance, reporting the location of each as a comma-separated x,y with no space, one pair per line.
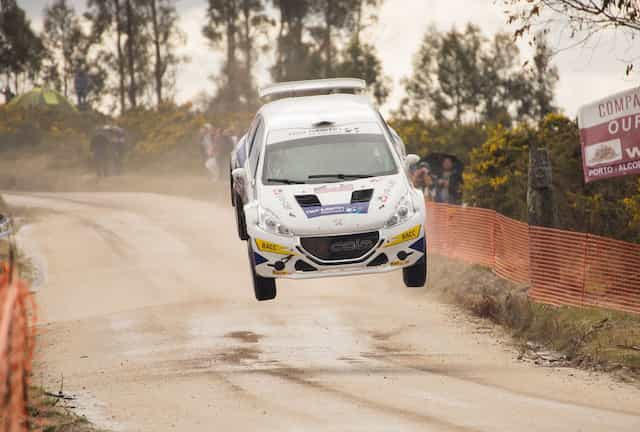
340,248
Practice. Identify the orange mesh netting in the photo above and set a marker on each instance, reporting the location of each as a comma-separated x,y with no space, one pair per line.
561,267
16,350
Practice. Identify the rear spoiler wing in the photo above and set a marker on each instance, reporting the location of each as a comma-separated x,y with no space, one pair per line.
291,88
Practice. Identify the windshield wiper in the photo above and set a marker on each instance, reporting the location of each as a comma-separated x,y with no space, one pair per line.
340,176
284,181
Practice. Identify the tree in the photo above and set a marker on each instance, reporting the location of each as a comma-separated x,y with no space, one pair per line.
292,51
459,73
165,35
107,19
333,17
21,50
65,40
496,178
423,82
131,24
235,23
362,61
359,59
585,18
543,78
465,76
589,15
446,79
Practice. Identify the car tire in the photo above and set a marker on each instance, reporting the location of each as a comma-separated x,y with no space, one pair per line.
232,193
264,288
241,222
415,276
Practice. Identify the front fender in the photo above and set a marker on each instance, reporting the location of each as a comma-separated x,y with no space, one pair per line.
251,215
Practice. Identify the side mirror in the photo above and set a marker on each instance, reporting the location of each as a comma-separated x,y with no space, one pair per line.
238,174
411,160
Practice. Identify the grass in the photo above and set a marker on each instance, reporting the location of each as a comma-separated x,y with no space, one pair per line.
48,414
592,338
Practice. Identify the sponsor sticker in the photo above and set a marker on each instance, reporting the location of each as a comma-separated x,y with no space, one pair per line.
410,234
267,246
333,188
282,135
336,209
398,263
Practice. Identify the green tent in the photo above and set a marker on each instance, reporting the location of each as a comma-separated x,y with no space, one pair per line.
39,97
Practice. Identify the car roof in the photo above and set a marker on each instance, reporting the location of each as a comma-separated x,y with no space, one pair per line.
307,111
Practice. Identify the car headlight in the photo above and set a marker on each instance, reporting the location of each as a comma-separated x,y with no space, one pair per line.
404,211
268,221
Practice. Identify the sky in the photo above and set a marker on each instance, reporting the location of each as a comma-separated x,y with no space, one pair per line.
586,74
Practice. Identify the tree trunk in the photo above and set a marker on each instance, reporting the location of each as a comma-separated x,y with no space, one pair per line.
279,58
131,60
358,28
248,48
156,42
65,71
328,16
121,73
231,59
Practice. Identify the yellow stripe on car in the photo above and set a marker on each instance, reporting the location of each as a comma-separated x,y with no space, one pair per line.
410,234
267,246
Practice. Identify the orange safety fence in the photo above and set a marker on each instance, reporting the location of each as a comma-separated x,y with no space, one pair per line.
561,267
17,339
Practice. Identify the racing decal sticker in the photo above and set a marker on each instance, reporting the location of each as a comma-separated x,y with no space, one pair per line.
398,263
267,246
386,193
410,234
282,135
336,209
337,188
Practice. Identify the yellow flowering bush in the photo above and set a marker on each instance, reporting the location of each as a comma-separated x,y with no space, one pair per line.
497,175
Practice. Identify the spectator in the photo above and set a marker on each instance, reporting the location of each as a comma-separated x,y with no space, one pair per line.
422,179
100,152
447,187
8,94
81,85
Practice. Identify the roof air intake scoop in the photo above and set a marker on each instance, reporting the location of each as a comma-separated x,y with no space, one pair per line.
323,123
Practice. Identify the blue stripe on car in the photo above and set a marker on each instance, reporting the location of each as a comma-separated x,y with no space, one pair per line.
259,259
418,245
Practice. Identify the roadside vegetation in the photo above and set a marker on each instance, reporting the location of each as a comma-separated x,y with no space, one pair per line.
49,413
596,339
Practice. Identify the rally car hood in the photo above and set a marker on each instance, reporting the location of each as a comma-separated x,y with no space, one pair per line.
336,208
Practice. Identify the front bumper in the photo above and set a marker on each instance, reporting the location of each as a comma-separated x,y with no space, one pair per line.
284,257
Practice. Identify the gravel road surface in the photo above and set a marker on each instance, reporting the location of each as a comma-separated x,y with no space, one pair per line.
148,314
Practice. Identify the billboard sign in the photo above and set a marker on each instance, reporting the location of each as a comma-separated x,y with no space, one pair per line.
610,136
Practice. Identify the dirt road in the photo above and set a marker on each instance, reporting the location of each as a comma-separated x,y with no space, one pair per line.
148,314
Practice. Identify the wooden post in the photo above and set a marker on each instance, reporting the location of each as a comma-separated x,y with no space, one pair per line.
541,205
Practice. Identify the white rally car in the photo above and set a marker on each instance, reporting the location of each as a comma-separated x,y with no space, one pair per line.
320,189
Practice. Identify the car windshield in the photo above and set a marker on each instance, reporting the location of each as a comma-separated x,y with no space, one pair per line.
327,159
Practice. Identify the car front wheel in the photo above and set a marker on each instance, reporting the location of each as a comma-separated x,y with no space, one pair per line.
241,222
415,276
264,288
